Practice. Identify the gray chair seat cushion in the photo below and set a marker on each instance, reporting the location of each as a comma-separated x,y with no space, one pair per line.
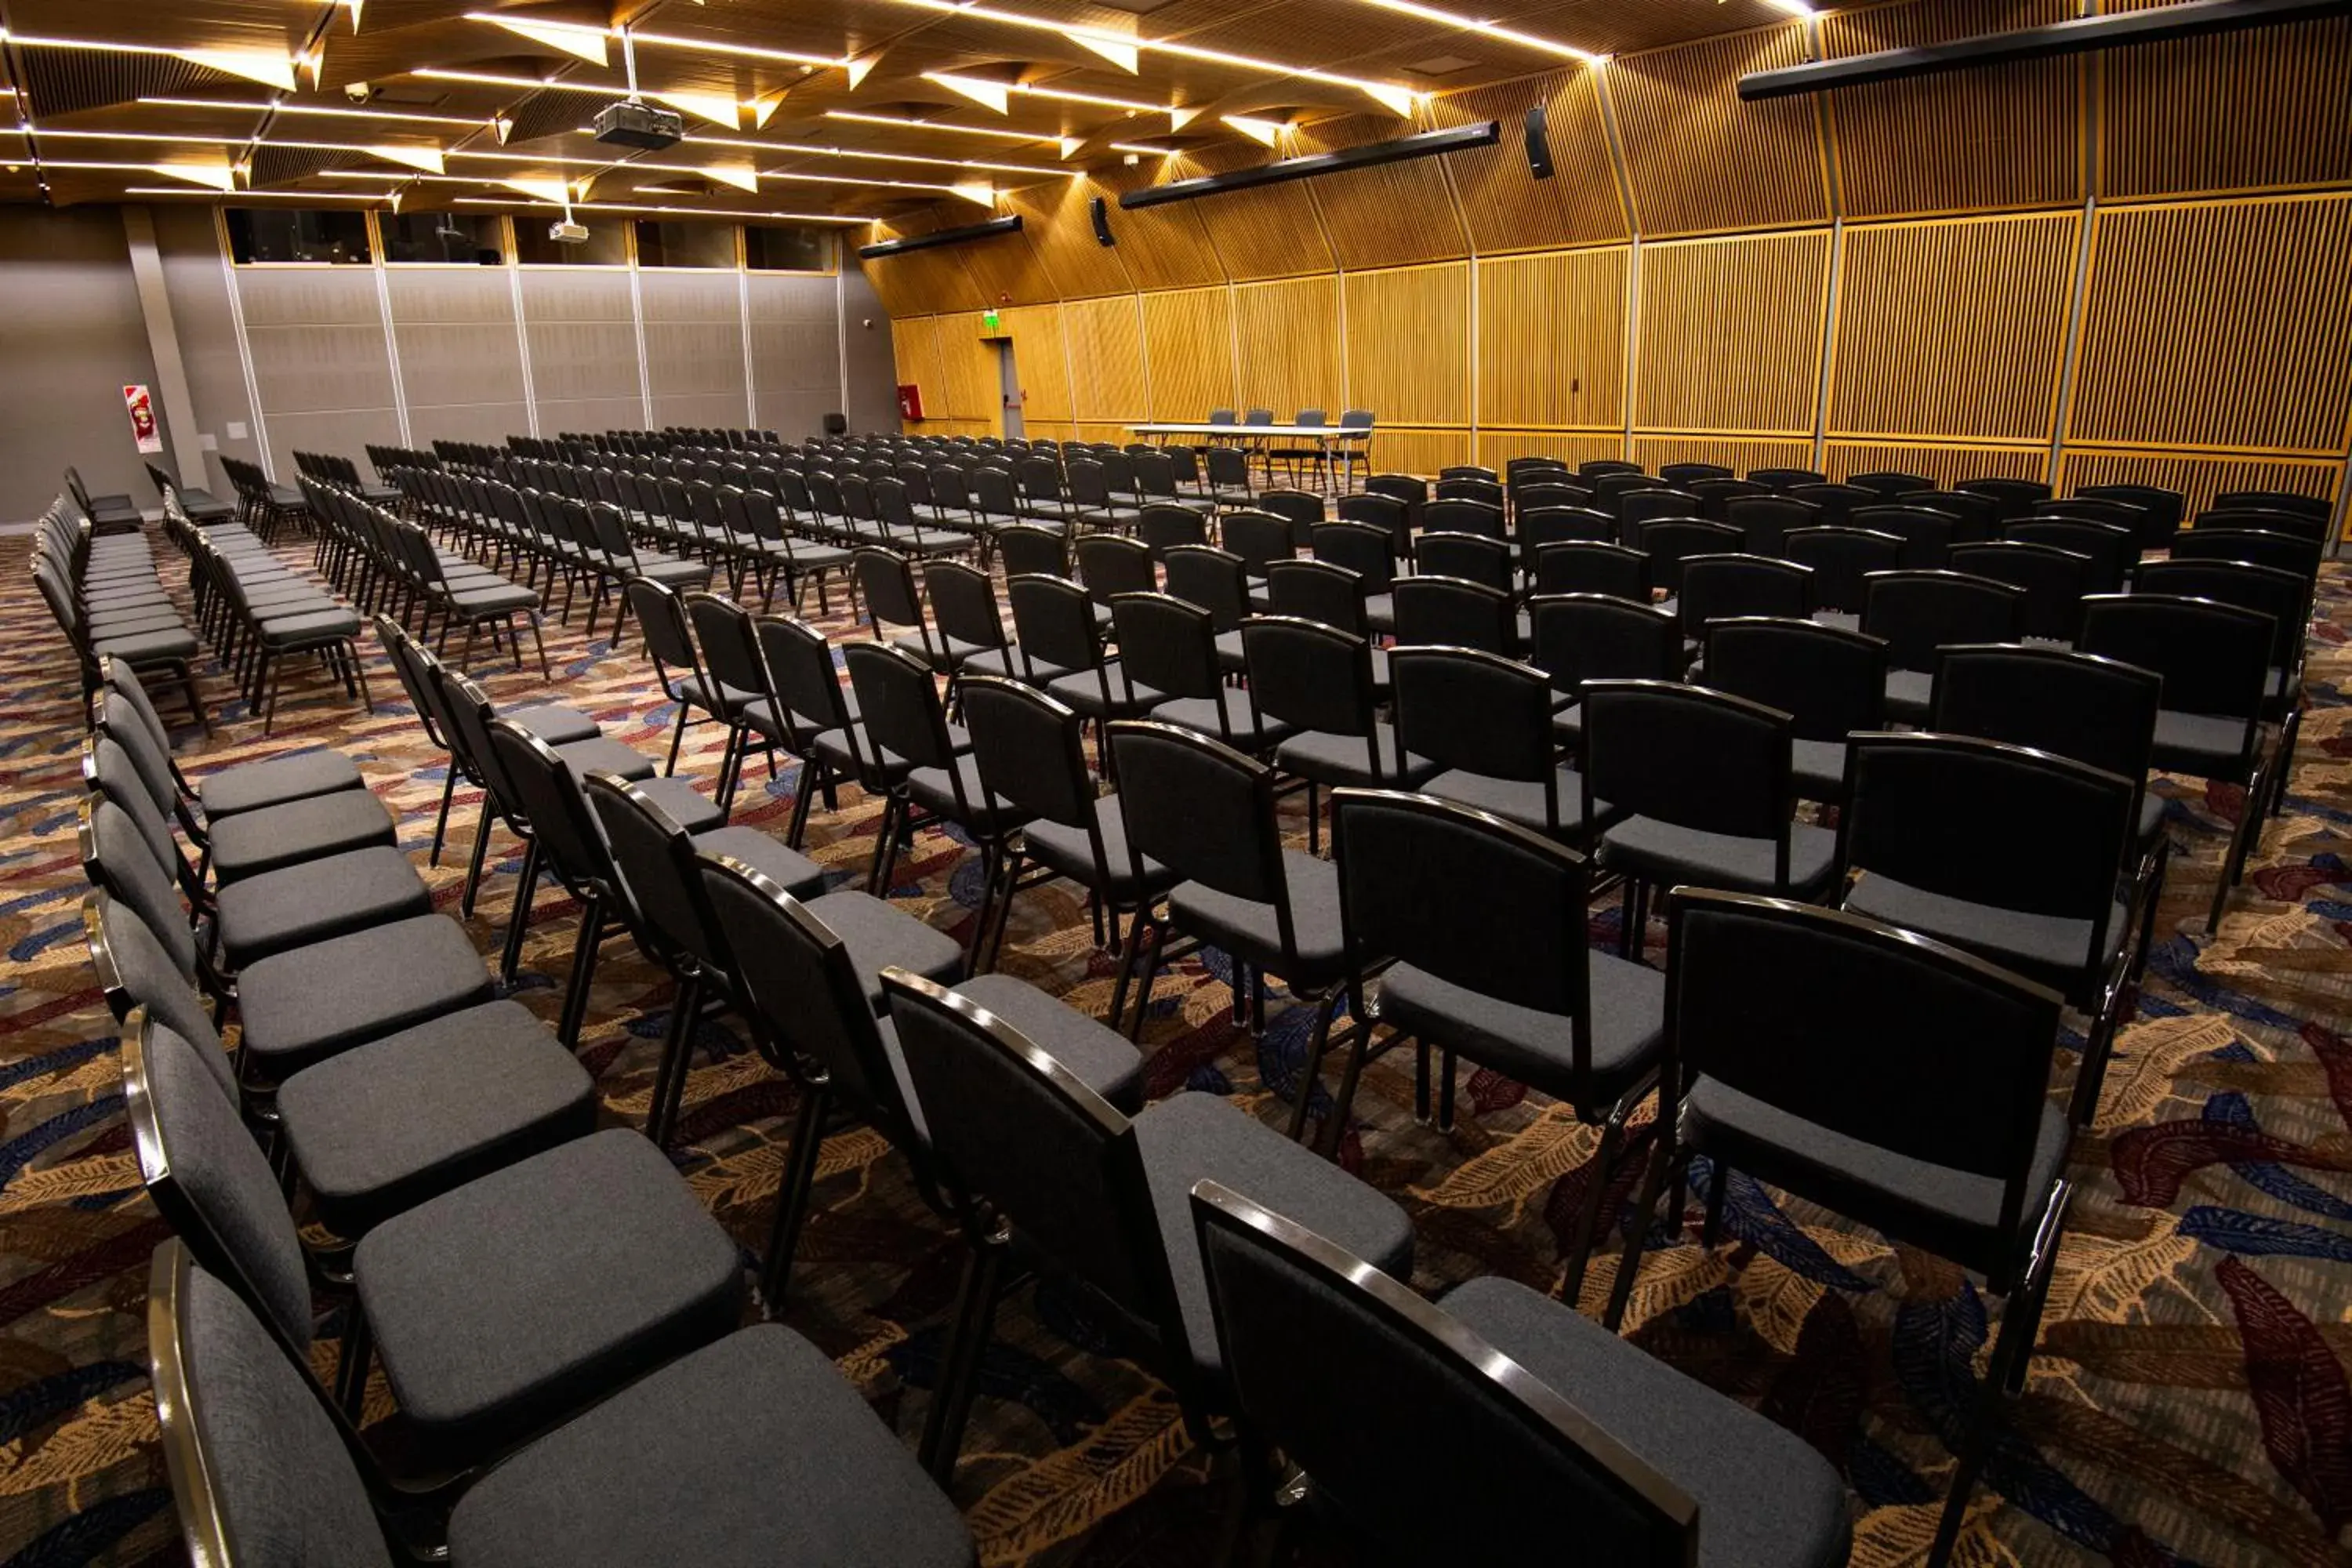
686,806
1909,695
603,755
287,496
1347,760
1380,612
753,1452
879,935
519,1297
673,572
276,781
316,626
147,645
1066,850
1817,769
495,596
1098,1058
381,1129
2044,947
1192,1137
1538,1048
1521,800
303,1007
317,901
2201,745
1953,1214
1083,690
1250,931
731,699
1843,620
1232,717
932,789
1665,853
254,842
790,869
1767,1499
555,724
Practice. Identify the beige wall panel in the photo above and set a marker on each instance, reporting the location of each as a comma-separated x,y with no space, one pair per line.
1054,217
1701,161
302,369
1408,341
1108,383
1497,447
308,297
2198,476
2003,135
707,411
454,364
1954,329
1508,209
1654,452
1042,359
1947,466
2220,325
488,423
2163,137
1731,333
347,432
584,340
576,294
1551,340
590,413
1384,217
1289,335
1188,335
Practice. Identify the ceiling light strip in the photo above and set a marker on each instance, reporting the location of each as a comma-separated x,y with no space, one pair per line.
1487,29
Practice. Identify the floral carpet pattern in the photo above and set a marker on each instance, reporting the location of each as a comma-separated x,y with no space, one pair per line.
2188,1403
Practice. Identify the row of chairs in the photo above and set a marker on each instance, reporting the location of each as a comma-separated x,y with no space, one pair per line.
109,604
386,561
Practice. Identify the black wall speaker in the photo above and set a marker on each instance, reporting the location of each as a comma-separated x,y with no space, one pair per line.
1538,145
1100,211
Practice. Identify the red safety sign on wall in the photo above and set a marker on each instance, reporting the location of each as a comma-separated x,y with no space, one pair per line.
142,419
910,401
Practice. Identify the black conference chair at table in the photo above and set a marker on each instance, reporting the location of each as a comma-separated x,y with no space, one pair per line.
1777,1068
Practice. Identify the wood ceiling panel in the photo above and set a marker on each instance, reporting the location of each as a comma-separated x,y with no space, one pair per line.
1953,329
1505,206
2005,135
1700,161
2163,135
1408,343
1551,340
2220,326
1730,333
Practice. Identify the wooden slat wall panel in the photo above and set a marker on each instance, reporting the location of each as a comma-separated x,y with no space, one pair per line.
1054,216
1042,359
1117,431
1963,141
1954,329
921,281
1947,466
1551,340
1188,339
1005,269
1731,333
1408,341
967,369
1418,451
915,347
1504,207
1698,159
1269,233
2220,326
1162,248
2199,477
2162,133
1106,364
1496,448
1289,334
1386,216
1654,452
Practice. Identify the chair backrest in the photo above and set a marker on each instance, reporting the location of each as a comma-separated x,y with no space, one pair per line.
1473,711
888,579
1598,468
1309,674
2053,582
1028,548
2161,508
1716,587
1455,613
1164,528
1302,509
1381,511
261,1472
1793,1006
1258,537
561,817
1782,480
1318,591
1030,750
1576,638
1535,525
1361,548
1456,514
899,700
1344,1370
722,633
963,604
2260,546
1828,681
1669,541
1213,579
209,1179
1919,611
799,663
1054,621
2097,711
2014,497
1166,644
800,988
1577,566
649,850
2131,519
1765,519
1890,482
1203,810
1690,756
2111,550
1466,555
1641,507
1926,534
1681,475
1989,823
2214,658
1011,1125
2284,596
1111,564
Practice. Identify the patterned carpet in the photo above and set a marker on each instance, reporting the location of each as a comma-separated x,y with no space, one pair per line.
2189,1406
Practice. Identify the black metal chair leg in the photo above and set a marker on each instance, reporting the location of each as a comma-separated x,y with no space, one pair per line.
584,972
959,1363
792,1200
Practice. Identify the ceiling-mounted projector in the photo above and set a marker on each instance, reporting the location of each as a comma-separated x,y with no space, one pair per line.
631,123
564,231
